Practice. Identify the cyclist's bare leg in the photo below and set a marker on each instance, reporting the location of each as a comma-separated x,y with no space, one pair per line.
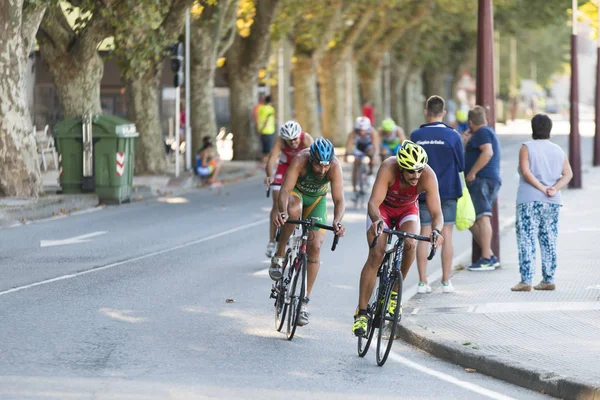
371,155
369,271
357,161
275,195
294,211
313,252
410,245
422,252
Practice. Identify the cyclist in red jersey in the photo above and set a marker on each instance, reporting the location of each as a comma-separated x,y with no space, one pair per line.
394,201
290,142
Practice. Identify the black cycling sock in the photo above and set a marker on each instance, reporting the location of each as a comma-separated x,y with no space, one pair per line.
362,312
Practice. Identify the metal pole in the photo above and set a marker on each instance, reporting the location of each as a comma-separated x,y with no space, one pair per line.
177,96
596,161
496,62
188,129
485,98
281,100
574,139
386,85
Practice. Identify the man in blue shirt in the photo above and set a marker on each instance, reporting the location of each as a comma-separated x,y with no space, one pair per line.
482,164
446,157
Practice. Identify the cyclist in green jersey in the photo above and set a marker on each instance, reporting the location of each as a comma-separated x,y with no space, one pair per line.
302,196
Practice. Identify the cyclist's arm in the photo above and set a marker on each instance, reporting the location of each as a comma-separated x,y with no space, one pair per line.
349,142
273,157
337,193
308,140
380,188
289,181
432,198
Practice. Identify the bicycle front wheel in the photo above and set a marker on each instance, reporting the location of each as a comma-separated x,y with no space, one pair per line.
388,321
364,342
297,293
281,286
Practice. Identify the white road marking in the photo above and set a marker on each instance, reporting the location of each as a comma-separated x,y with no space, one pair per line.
73,240
98,269
448,378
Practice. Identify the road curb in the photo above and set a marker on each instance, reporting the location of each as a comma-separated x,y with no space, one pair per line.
46,207
524,375
527,376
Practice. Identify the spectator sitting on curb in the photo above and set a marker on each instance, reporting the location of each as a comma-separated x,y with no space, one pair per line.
446,157
482,163
545,170
208,164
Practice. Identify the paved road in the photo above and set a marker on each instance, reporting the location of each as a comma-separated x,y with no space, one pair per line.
137,309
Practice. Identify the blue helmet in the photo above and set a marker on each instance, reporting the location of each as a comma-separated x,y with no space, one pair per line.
321,151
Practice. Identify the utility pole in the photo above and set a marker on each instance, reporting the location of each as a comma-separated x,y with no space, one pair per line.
281,86
574,139
187,80
597,134
486,99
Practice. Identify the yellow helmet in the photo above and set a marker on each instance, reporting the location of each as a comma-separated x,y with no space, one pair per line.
411,156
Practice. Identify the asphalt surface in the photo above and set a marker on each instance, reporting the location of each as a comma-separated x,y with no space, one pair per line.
137,309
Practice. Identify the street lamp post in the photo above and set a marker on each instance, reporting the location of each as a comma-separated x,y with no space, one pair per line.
596,161
486,97
574,139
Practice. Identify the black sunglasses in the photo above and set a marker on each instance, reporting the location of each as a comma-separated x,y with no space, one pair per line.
413,172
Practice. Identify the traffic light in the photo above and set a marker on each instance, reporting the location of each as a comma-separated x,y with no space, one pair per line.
177,64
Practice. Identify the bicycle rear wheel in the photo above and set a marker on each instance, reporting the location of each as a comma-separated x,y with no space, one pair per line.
297,293
364,342
388,322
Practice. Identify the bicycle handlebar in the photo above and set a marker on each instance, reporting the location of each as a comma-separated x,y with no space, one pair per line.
310,222
404,235
268,191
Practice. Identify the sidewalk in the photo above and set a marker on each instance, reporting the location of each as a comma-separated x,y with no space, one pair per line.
545,341
15,211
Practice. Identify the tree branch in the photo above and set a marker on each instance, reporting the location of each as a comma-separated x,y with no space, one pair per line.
329,33
31,19
174,21
54,30
225,36
352,36
378,35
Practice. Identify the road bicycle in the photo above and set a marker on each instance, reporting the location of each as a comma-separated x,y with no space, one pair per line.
389,276
289,291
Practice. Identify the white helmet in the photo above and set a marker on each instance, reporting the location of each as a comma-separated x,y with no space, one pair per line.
290,130
362,123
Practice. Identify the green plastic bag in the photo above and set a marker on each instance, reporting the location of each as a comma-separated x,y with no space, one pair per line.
465,211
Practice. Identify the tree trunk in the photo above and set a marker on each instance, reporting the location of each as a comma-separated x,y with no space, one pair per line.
245,139
305,95
78,89
332,84
19,166
399,76
434,82
143,108
204,121
244,58
371,88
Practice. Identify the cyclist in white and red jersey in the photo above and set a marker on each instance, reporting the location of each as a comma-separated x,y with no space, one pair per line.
365,140
394,201
290,142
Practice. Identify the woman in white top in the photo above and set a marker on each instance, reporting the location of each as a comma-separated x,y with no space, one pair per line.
545,170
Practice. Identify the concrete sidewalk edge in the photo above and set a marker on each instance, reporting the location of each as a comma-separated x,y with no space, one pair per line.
527,376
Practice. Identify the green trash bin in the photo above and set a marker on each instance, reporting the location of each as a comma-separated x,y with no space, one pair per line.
69,144
113,157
